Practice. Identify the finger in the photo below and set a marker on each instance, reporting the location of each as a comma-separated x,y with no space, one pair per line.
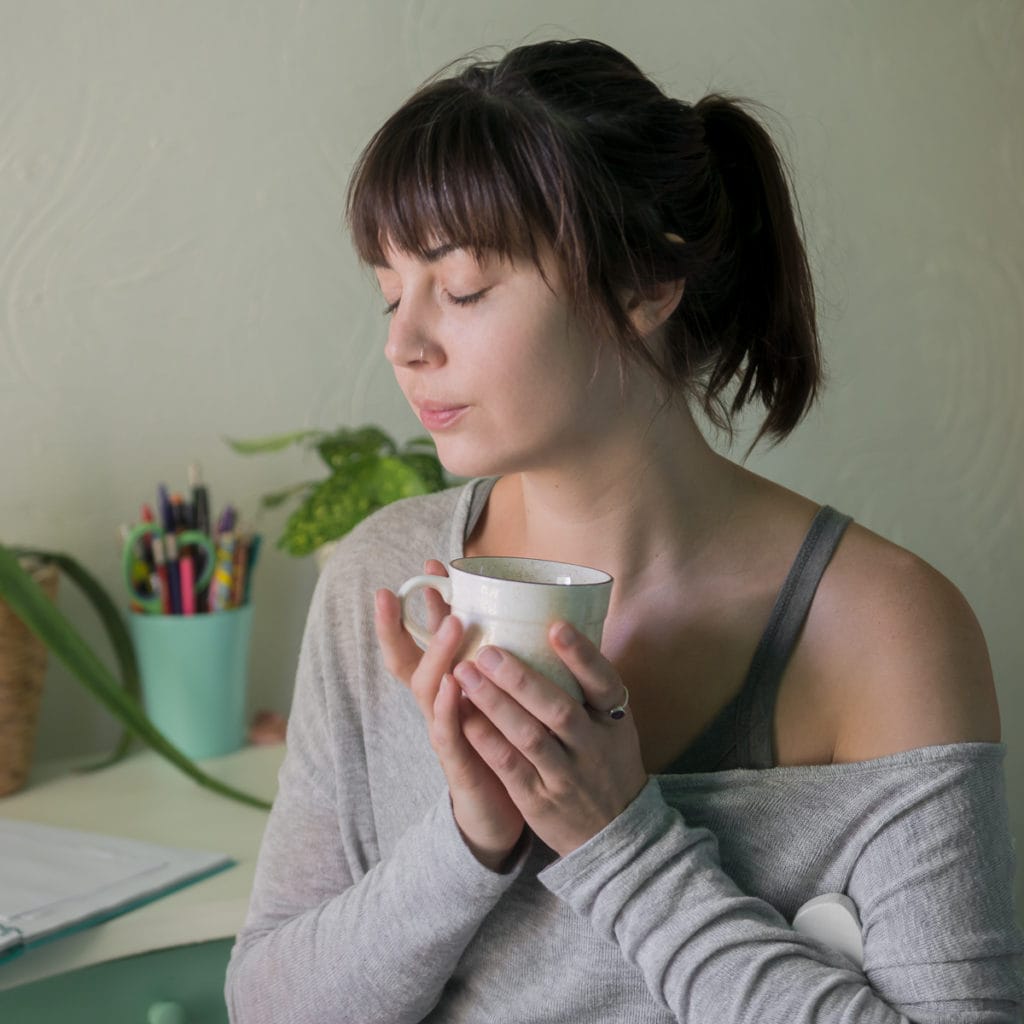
401,654
513,769
530,733
446,729
453,715
602,685
437,609
434,663
537,695
419,670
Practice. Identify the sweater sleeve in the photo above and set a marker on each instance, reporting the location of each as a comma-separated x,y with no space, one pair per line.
333,932
940,940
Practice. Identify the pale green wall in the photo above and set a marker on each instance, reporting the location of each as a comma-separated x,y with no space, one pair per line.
173,267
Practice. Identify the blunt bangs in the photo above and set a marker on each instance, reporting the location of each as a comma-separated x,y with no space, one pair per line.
453,166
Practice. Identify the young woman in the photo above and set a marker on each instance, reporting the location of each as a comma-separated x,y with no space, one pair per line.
572,263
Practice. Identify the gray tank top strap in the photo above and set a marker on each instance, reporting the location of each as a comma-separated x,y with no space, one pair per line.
756,701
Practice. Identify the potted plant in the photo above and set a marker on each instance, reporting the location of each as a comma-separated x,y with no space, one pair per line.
30,603
368,470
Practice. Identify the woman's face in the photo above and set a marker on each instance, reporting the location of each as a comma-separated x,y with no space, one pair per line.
494,364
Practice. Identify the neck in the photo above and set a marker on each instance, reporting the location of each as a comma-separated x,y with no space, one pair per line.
638,506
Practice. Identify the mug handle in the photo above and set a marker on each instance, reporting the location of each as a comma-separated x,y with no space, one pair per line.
442,584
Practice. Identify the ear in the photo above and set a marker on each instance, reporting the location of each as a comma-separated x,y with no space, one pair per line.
649,310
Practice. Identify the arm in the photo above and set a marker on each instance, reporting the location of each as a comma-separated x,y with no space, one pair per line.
334,933
940,941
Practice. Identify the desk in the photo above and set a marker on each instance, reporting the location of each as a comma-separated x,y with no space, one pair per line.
144,797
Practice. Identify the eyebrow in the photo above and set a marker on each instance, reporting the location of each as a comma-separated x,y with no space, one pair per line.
431,255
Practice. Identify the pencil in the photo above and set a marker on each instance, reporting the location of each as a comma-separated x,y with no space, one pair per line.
160,561
220,587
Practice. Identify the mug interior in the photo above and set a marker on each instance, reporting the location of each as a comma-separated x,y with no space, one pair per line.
532,570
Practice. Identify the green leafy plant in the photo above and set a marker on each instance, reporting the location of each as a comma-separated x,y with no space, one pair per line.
28,601
368,470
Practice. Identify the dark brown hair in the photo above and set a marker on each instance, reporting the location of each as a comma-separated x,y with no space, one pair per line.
569,142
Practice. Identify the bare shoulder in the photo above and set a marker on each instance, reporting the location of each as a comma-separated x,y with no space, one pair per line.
898,653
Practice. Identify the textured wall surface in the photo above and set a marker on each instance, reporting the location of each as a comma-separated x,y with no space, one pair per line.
173,267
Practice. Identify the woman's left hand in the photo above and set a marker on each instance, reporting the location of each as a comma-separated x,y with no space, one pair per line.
568,767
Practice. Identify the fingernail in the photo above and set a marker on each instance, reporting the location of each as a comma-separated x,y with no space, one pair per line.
467,675
566,635
488,658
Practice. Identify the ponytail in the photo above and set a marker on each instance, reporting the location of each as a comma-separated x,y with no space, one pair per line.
757,300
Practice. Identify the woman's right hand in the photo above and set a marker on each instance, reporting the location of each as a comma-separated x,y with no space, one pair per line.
489,821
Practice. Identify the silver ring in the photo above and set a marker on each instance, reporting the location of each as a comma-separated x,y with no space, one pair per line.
619,711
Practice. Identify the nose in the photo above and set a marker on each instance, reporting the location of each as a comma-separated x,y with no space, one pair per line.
408,343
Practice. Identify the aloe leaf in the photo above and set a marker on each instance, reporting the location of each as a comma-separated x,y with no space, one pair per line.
272,444
28,601
118,754
113,624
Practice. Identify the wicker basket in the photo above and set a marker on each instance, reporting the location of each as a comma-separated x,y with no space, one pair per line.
22,669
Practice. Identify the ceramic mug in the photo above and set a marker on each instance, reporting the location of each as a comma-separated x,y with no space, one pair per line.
511,603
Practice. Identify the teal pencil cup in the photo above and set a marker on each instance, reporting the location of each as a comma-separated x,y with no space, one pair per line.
194,671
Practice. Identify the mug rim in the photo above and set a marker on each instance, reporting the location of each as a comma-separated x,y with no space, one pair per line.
606,578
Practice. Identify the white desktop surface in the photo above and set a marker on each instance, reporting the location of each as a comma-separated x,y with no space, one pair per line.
144,797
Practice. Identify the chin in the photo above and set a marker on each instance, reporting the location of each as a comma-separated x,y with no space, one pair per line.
470,462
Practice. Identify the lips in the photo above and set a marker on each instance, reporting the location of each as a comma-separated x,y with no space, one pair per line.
438,415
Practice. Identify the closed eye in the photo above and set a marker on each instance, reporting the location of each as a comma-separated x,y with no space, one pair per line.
467,300
455,300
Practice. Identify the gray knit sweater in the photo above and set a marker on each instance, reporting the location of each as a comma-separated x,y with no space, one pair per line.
368,907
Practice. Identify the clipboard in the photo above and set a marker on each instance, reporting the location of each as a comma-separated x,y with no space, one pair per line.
57,881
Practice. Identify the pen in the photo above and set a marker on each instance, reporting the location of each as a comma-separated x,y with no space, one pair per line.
163,504
226,521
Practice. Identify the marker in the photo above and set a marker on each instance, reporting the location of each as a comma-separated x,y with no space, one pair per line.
200,498
186,568
254,553
201,507
179,513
